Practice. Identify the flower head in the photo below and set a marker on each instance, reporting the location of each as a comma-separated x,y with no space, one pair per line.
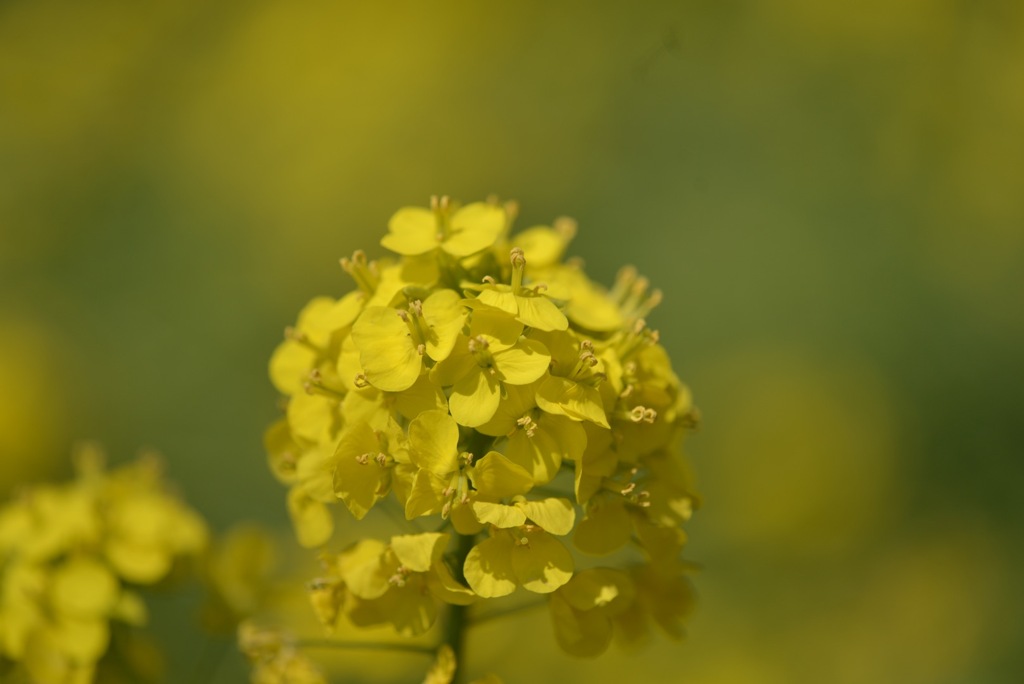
481,380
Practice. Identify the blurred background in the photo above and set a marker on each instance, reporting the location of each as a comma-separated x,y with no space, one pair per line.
831,196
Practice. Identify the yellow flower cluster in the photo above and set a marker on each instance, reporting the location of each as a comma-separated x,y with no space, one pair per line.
482,380
70,556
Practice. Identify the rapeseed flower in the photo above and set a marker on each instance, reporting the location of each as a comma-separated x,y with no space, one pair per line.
71,556
482,380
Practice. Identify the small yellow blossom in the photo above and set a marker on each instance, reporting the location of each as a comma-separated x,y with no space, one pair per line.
402,583
583,610
460,232
492,357
524,556
529,306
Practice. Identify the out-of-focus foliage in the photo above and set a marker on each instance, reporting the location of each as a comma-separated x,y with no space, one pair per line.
828,194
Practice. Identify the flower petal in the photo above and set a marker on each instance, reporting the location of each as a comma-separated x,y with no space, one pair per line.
417,552
524,363
409,609
604,588
422,396
455,366
488,567
537,311
584,634
474,398
364,569
445,587
445,316
433,442
386,349
517,402
474,228
564,397
424,495
554,439
557,516
542,246
313,523
499,297
359,480
496,477
411,231
83,588
498,514
542,564
312,416
290,366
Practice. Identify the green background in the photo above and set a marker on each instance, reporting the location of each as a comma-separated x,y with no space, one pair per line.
830,195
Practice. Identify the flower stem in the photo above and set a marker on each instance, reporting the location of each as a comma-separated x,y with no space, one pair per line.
366,646
455,629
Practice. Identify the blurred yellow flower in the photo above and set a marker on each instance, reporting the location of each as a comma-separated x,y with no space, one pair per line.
69,553
238,569
274,658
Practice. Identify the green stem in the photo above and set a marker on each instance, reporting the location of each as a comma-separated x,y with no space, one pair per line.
455,629
366,646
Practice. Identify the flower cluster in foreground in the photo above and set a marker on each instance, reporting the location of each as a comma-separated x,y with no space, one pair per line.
71,557
482,387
